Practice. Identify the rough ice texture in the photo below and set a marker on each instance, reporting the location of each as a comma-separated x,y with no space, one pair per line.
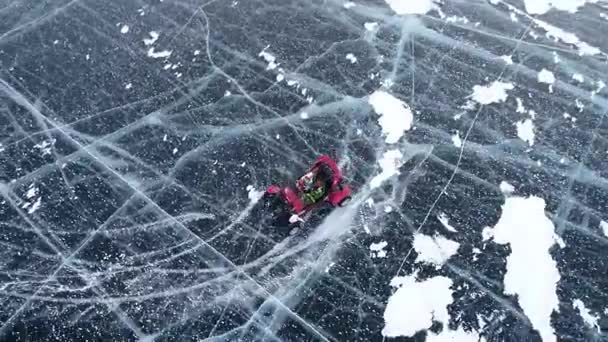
395,115
415,305
435,250
532,274
492,93
389,163
411,7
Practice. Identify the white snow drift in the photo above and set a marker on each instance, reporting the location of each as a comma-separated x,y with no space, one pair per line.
532,274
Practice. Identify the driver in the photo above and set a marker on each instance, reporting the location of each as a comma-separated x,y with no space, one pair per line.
312,187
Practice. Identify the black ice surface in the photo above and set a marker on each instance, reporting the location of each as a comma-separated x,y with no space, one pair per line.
125,212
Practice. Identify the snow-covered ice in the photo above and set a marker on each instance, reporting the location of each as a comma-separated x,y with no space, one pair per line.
389,163
435,250
492,93
525,131
415,305
396,117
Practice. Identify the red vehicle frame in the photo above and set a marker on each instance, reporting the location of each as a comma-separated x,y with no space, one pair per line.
338,194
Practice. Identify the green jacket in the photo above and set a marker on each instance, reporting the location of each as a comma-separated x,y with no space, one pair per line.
313,195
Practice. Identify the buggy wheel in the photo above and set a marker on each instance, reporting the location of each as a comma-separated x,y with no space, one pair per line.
344,202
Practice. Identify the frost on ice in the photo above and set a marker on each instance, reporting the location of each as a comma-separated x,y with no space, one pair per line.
492,93
395,115
415,305
32,203
390,163
531,274
434,250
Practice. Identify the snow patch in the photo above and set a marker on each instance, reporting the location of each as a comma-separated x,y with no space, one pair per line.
506,188
390,163
35,206
443,218
253,194
415,305
507,59
458,335
371,26
434,250
546,76
128,86
395,115
487,233
525,131
456,140
269,58
349,4
604,226
590,320
124,29
160,54
558,34
531,272
493,93
411,7
520,106
153,38
543,6
351,58
377,249
45,146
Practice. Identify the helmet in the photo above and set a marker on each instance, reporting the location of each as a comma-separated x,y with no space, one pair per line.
308,181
